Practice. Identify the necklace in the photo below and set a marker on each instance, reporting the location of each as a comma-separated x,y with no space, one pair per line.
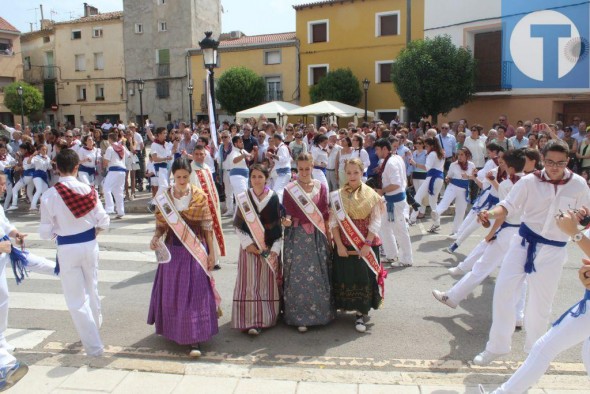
180,193
305,183
259,195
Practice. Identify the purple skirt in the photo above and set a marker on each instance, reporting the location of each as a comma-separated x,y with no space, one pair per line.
182,305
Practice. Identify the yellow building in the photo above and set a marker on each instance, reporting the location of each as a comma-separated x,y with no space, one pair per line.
363,35
11,66
79,67
272,56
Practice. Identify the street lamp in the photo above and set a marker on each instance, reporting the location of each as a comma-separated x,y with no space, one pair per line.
190,101
209,47
140,85
19,90
366,84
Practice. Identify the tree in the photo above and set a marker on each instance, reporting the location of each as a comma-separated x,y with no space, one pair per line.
240,88
433,76
32,98
338,85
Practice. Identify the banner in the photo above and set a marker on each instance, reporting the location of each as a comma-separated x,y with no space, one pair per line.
211,107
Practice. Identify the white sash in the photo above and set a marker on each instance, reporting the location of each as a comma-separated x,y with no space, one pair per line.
307,206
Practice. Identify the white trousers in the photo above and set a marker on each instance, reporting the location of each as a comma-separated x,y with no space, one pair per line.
79,281
320,176
490,259
568,333
423,192
229,192
114,183
40,188
86,178
542,286
457,194
8,198
36,264
475,254
417,183
397,231
332,183
24,181
163,179
281,182
239,184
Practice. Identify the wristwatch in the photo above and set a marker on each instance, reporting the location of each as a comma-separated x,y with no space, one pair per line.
578,237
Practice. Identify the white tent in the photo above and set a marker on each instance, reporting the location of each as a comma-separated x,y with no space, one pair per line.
332,108
274,109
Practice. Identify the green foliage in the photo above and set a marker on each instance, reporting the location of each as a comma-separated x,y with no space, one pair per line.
32,98
433,76
240,88
338,85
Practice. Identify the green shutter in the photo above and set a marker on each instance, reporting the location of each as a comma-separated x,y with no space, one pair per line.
164,56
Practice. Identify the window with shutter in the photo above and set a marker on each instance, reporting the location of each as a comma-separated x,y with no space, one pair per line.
385,72
162,89
80,63
99,61
318,73
388,25
272,57
319,32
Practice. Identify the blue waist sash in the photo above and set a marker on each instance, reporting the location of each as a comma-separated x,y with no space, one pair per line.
419,175
9,175
503,226
284,170
488,203
322,169
18,260
239,172
86,236
463,184
533,239
29,172
88,170
117,168
576,310
43,175
433,174
390,204
160,166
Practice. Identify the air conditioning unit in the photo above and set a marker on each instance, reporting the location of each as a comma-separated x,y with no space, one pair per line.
235,34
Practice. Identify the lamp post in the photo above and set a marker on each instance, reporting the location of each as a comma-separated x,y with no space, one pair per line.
190,101
366,84
19,90
140,85
209,47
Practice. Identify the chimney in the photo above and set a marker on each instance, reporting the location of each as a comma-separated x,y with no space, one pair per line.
41,8
46,24
90,10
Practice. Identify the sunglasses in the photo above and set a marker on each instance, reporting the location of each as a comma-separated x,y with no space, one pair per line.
224,138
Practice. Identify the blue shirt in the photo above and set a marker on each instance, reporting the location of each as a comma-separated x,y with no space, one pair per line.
374,159
449,144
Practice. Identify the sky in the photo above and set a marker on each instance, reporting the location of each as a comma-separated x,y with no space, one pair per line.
246,15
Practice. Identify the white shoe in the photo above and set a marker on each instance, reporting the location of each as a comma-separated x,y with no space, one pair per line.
443,298
485,358
195,352
302,329
402,264
519,324
254,331
6,346
359,324
12,208
456,271
119,216
413,217
434,228
453,236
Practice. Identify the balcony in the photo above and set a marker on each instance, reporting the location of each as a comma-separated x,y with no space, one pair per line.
163,69
493,76
49,72
274,95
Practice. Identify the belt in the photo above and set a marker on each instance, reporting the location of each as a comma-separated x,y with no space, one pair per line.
463,184
41,174
117,168
322,169
29,172
85,236
489,202
576,310
160,166
18,260
9,175
88,170
533,239
284,171
502,227
419,175
390,204
434,174
239,172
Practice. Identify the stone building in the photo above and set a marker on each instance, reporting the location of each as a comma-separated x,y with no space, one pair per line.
11,66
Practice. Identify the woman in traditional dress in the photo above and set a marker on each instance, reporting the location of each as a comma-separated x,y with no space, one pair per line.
307,290
256,303
355,283
183,302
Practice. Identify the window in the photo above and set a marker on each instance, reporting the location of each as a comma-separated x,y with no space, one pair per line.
5,81
318,31
80,63
97,32
81,92
274,91
139,28
163,62
272,57
27,63
5,46
162,26
387,115
387,24
99,92
315,72
99,61
162,89
76,34
46,39
487,52
383,71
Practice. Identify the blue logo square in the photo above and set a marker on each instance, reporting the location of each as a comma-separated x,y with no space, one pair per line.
545,43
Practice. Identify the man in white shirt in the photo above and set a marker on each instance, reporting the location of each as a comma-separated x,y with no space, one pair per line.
139,152
106,127
225,166
519,141
538,253
239,173
282,166
72,213
114,183
393,224
332,166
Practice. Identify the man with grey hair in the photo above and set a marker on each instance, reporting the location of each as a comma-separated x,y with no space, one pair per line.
225,165
519,140
333,155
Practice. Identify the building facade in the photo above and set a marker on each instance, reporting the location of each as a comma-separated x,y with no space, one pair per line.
11,66
479,26
272,56
79,67
157,34
365,36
